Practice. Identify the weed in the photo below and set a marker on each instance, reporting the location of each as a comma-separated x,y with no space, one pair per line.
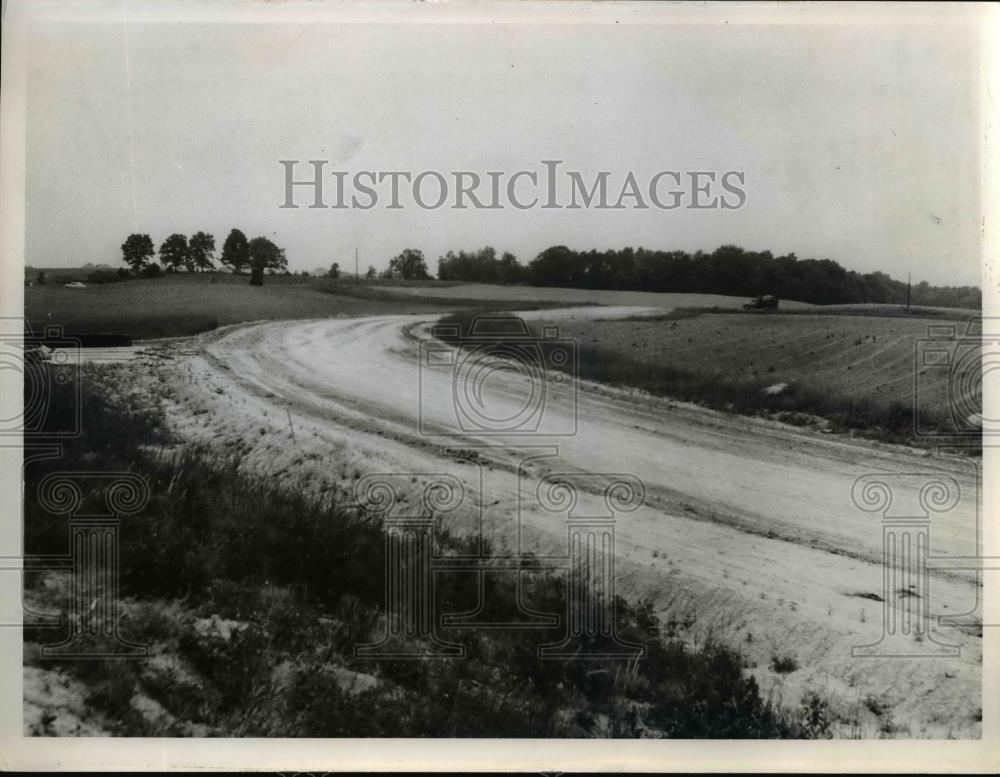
784,664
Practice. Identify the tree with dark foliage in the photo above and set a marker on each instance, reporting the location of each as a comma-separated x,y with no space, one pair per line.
235,251
175,253
202,249
408,266
734,271
137,251
728,270
481,266
264,255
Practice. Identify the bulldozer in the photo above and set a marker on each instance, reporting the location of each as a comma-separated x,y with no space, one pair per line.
763,302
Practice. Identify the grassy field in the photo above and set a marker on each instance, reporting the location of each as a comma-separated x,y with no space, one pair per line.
855,369
531,294
184,304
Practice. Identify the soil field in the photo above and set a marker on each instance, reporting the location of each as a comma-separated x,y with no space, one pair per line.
853,358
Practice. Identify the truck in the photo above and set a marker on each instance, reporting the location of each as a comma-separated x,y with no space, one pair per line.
763,302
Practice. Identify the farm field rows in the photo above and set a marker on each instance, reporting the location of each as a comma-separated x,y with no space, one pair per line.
853,358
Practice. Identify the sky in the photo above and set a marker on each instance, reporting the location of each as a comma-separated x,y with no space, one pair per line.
858,143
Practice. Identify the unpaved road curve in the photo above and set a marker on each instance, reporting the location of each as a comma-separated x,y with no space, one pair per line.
748,531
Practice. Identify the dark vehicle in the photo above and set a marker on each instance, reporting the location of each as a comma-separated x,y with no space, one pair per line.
763,302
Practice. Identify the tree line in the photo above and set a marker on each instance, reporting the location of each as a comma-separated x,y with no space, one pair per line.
197,254
729,270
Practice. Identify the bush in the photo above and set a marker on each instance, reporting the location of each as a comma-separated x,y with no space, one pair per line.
784,664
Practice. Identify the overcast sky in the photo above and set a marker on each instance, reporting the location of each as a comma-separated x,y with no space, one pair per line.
858,144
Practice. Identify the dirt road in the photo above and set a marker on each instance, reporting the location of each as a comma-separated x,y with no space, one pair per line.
748,533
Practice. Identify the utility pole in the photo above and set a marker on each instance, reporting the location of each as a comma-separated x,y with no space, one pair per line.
357,277
908,276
